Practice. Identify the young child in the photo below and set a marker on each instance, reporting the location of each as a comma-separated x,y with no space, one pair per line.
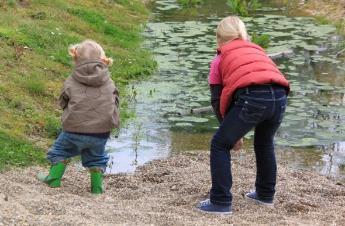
90,102
247,91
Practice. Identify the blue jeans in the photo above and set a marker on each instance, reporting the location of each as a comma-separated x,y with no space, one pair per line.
259,107
91,149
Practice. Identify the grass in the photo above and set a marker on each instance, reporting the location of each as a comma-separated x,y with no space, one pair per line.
34,37
18,153
340,25
34,85
322,20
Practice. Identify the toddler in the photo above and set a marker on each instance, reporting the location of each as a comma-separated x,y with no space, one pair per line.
90,102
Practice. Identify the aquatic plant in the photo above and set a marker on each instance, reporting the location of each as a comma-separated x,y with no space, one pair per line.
243,7
340,25
261,40
190,3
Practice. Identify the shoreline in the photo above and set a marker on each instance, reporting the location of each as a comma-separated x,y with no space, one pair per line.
331,11
165,192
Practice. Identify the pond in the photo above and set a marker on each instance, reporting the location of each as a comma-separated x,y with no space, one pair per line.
312,135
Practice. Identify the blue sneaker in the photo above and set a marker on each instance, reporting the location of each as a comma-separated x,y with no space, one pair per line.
207,207
252,196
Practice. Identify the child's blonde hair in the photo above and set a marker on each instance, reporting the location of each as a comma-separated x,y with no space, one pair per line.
231,28
89,50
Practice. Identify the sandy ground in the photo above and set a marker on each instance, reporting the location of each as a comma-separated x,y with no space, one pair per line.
164,192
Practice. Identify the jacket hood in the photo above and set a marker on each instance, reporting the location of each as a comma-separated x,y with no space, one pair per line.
91,73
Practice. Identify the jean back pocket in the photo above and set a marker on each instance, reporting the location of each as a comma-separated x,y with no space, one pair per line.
252,112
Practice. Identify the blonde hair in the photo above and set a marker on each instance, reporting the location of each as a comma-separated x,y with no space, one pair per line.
231,28
89,50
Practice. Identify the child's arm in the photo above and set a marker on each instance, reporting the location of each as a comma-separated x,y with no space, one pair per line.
64,98
216,87
117,108
216,92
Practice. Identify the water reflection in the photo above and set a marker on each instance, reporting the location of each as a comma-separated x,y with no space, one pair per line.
325,160
137,144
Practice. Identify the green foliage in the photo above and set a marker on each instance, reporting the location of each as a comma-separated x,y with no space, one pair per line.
190,3
98,22
340,25
132,5
138,64
16,103
34,85
322,20
12,3
244,7
52,126
39,16
47,41
18,153
261,40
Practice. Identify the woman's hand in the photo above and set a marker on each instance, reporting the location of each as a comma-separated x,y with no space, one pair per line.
238,145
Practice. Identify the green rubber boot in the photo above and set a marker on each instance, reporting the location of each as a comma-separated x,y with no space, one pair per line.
96,181
55,174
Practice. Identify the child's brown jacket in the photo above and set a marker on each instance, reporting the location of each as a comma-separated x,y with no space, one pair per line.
89,99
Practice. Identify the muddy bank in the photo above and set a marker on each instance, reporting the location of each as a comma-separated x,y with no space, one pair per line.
165,192
334,10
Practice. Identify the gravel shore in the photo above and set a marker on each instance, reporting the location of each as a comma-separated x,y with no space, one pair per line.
164,192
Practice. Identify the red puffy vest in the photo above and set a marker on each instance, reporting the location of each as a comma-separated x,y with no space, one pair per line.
243,64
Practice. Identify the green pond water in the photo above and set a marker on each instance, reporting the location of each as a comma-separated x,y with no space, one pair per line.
312,135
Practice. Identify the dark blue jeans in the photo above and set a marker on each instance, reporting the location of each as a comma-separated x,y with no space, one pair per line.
259,107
